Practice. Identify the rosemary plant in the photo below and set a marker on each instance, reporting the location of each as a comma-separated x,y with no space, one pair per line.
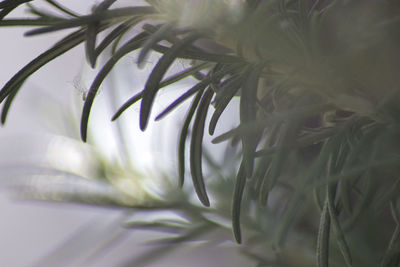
317,138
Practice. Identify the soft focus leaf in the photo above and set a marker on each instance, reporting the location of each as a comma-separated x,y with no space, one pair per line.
323,238
62,8
237,201
103,17
248,113
7,6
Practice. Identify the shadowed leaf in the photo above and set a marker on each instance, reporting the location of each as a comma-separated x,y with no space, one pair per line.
208,80
130,46
323,238
392,253
90,45
62,8
166,245
184,74
151,41
91,33
337,229
164,83
183,136
115,34
223,97
251,127
248,113
8,6
240,184
201,55
103,17
199,86
196,147
158,72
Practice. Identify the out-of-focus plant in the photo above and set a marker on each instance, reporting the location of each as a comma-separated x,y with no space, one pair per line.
318,133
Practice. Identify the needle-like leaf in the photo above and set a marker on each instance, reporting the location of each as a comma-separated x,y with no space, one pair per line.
62,8
196,147
183,136
191,71
223,97
334,166
158,72
134,44
240,183
91,33
151,41
199,86
323,237
215,76
337,229
90,45
392,254
201,55
58,49
248,113
11,3
7,104
7,6
115,34
127,104
251,127
103,17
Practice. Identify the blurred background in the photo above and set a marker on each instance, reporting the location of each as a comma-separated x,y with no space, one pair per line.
42,131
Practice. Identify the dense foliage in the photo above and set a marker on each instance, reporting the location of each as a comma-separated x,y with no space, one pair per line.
318,87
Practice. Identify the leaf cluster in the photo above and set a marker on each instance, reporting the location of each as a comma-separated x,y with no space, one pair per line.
317,102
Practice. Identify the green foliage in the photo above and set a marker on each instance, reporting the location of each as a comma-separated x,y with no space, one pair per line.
318,89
